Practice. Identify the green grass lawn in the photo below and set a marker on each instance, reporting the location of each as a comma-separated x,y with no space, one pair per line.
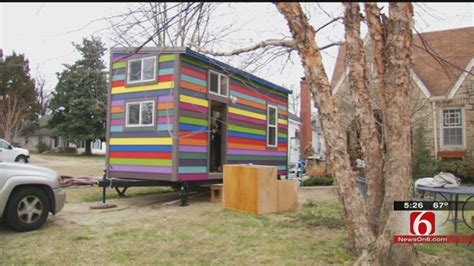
202,234
190,236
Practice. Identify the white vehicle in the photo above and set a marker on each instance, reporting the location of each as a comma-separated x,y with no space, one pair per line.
8,153
28,194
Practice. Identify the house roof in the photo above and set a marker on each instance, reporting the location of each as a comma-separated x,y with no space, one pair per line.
294,117
340,66
212,62
234,70
454,47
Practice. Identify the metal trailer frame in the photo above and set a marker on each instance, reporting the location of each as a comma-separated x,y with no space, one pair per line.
121,185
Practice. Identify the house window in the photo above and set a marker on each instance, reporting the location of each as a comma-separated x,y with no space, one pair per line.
218,83
272,126
141,70
140,114
452,127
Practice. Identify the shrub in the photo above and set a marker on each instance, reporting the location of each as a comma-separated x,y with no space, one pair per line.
68,150
461,169
423,162
42,147
318,181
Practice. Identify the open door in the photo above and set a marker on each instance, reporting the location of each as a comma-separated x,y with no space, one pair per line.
217,137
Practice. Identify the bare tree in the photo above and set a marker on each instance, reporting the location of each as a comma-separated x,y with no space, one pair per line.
374,244
43,94
294,101
13,117
368,225
168,24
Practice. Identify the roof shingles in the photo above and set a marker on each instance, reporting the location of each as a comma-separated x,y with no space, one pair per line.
453,49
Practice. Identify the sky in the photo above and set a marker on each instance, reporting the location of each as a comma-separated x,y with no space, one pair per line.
44,31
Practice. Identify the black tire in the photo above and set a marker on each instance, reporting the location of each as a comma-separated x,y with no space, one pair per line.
21,159
33,203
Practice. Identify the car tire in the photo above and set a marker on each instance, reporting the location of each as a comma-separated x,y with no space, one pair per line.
27,209
21,159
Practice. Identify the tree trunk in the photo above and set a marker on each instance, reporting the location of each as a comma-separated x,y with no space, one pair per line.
374,248
357,223
88,147
377,36
397,93
398,156
359,88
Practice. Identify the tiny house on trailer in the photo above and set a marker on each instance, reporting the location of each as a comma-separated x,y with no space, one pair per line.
177,116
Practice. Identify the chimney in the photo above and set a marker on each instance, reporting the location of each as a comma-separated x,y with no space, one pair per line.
305,115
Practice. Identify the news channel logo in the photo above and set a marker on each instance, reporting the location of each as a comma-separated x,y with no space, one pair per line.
430,223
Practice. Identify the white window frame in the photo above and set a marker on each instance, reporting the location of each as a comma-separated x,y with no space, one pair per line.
463,128
218,84
140,114
141,70
275,126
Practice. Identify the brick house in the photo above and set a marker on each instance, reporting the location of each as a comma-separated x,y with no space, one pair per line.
442,95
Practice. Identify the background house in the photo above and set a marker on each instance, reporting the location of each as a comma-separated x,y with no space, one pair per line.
294,139
442,95
305,129
52,143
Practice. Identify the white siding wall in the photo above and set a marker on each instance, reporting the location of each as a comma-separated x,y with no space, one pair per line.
319,145
293,144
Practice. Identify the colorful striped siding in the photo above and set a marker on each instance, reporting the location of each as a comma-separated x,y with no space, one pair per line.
193,123
247,129
247,124
142,154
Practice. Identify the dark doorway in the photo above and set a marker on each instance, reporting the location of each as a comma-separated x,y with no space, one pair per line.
216,137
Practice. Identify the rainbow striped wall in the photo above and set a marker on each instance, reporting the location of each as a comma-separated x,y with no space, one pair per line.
247,126
148,153
193,122
145,154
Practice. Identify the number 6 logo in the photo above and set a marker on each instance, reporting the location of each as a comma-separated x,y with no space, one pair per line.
422,223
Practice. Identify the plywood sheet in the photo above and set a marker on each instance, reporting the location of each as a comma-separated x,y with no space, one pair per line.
250,188
267,189
287,195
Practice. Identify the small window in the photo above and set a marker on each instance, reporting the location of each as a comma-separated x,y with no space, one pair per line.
140,70
140,114
272,126
452,127
218,83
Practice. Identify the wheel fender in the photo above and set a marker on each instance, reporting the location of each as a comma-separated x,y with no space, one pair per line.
17,181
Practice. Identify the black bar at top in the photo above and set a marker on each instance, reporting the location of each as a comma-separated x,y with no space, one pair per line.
431,205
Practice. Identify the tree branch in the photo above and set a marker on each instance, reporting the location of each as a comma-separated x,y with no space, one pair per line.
327,24
291,44
263,44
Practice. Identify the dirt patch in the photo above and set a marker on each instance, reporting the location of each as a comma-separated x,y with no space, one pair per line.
136,208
